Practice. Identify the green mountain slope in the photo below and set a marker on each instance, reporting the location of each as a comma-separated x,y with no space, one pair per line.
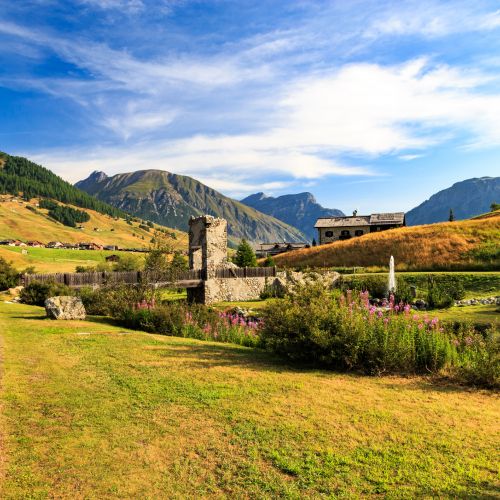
19,175
171,199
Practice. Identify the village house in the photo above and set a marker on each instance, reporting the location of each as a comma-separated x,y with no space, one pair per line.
271,249
54,244
113,258
35,243
10,243
89,246
343,228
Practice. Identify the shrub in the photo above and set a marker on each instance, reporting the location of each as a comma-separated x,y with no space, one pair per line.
375,285
194,321
347,333
36,293
8,275
443,293
112,300
269,261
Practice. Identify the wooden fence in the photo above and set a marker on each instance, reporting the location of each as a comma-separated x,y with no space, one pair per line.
134,277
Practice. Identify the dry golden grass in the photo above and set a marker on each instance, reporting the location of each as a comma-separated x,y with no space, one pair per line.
434,246
17,222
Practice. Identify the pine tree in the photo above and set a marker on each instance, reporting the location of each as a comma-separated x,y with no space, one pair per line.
314,242
451,217
245,256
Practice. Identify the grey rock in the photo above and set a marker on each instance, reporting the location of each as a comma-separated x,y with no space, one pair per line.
65,307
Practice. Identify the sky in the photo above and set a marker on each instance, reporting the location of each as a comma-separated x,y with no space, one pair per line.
371,105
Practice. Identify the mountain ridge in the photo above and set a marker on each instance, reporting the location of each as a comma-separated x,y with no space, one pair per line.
466,198
299,210
171,199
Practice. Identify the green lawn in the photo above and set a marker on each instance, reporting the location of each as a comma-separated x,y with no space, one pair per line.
480,314
53,260
90,410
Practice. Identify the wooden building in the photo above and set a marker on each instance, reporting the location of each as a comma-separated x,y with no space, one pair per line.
265,249
343,228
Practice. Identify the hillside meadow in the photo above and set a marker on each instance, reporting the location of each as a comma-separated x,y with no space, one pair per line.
460,245
90,410
18,222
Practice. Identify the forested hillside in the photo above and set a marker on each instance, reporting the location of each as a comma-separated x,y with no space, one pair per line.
19,176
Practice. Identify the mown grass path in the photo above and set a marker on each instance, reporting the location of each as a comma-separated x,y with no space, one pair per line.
95,411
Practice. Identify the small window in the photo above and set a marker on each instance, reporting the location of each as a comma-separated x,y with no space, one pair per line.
345,232
328,234
358,232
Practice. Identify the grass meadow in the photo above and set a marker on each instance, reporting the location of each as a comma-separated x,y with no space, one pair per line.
90,410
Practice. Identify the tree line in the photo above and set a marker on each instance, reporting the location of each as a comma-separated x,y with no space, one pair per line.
19,175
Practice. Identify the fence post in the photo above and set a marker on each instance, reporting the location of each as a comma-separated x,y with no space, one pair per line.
275,271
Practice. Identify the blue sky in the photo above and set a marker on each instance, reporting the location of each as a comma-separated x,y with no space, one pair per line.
373,105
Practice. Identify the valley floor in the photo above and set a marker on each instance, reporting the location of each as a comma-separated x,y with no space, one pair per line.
90,410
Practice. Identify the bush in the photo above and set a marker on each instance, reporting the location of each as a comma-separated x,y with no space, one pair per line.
193,321
8,275
375,285
36,293
479,359
443,293
112,301
347,333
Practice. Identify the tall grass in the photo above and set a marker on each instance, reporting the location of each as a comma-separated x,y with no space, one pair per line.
444,246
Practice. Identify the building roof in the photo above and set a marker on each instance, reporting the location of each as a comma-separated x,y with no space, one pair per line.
276,246
350,221
389,218
361,220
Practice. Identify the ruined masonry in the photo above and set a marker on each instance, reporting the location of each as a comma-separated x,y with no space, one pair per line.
208,253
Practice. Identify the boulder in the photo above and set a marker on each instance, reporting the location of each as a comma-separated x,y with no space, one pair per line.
65,307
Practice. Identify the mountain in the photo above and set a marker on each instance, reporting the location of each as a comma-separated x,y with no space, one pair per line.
460,245
171,199
466,199
19,175
299,210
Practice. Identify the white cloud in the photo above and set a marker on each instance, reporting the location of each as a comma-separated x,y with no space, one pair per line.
366,110
432,19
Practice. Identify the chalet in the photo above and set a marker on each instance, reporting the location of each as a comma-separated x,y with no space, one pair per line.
19,243
110,247
113,258
343,228
35,243
54,244
271,249
10,243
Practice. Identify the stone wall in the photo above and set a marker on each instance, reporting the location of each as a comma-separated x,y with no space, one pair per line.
229,290
337,232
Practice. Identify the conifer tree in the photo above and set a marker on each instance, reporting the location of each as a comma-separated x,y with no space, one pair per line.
451,217
245,256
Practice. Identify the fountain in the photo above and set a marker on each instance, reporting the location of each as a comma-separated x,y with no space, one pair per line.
391,285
